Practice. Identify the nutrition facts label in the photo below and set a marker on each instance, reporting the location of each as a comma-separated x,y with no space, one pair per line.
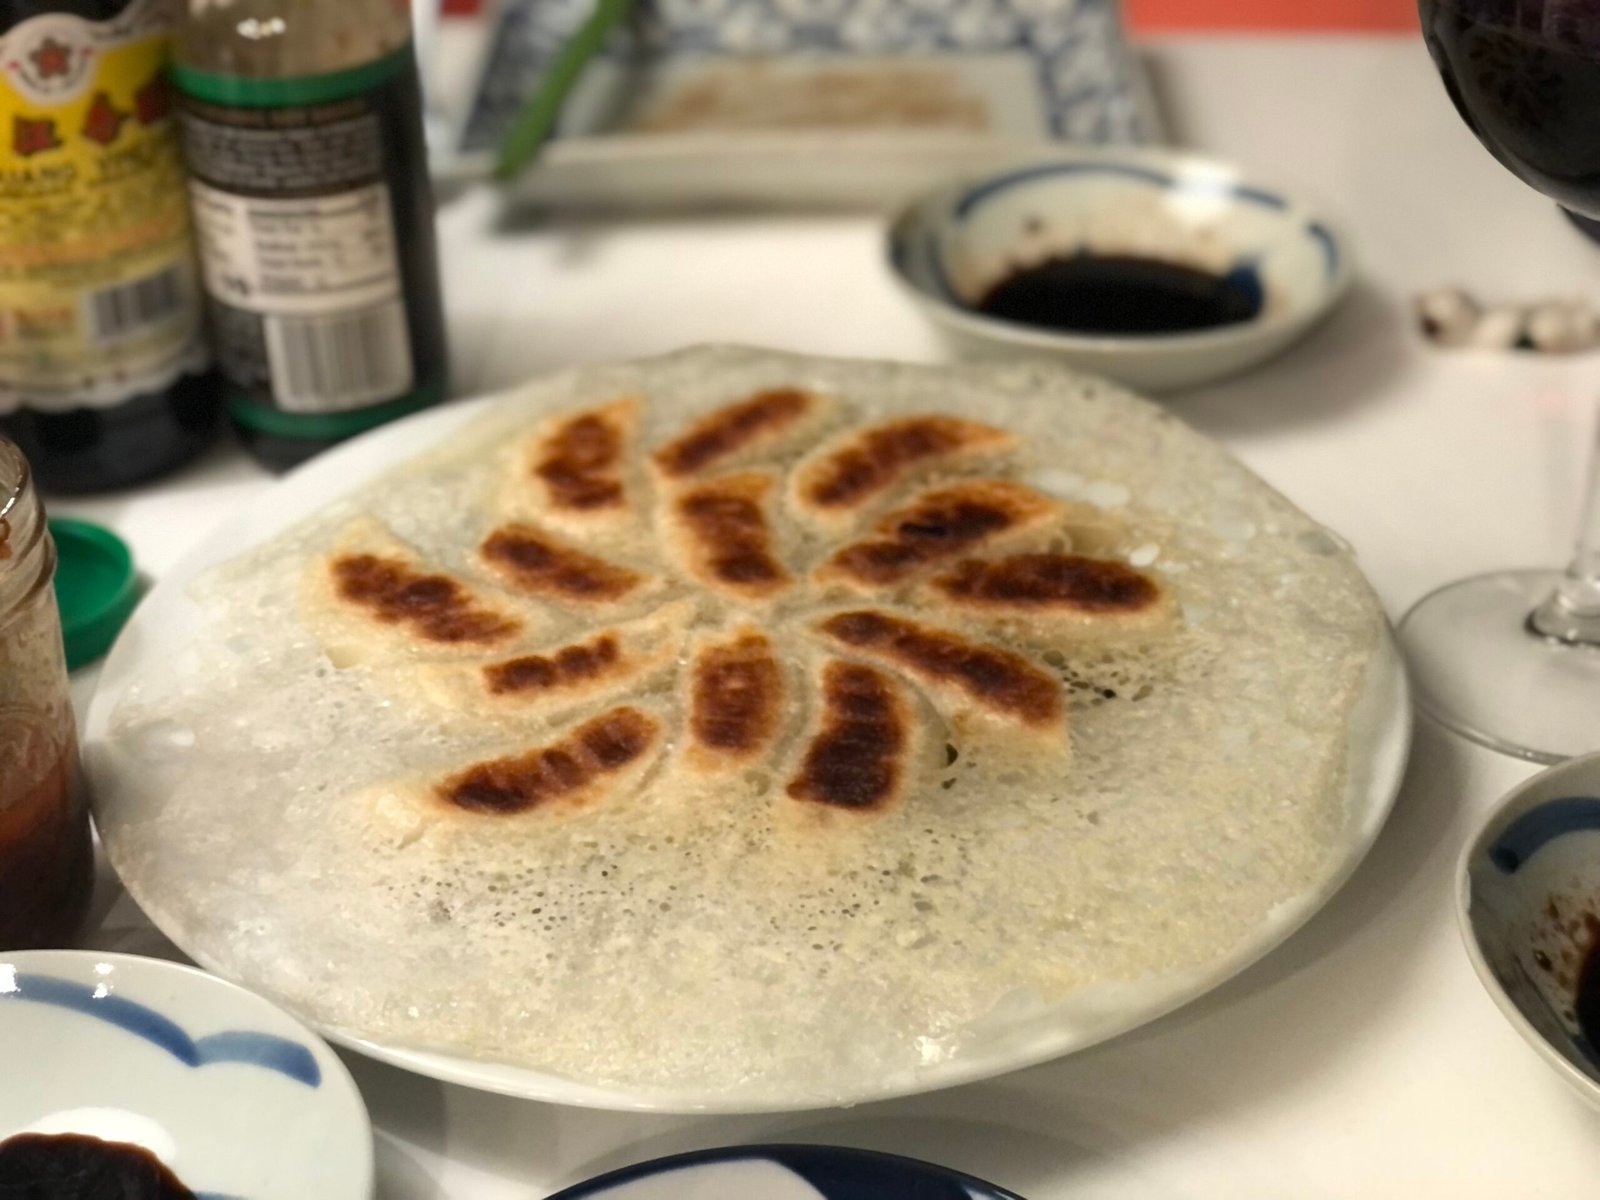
295,214
318,254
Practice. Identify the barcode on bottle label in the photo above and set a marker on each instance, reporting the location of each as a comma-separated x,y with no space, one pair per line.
339,361
131,308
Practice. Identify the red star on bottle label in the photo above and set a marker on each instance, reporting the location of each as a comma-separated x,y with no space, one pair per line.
103,121
52,59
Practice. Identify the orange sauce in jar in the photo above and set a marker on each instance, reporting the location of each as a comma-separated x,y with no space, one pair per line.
46,855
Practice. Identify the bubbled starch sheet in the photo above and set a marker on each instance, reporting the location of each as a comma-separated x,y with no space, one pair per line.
749,726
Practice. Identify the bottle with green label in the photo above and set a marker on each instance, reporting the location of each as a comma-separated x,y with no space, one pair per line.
302,127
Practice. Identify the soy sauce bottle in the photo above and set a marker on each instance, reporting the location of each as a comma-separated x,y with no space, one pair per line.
302,125
104,377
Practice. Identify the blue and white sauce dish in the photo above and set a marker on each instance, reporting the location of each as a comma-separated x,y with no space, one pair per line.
950,248
239,1100
783,1172
1528,892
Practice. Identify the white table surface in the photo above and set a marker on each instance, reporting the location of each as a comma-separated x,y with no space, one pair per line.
1362,1059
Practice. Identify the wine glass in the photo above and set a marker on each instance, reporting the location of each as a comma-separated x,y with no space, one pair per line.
1511,659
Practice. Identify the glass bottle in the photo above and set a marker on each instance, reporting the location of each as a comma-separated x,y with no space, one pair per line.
302,124
46,858
104,376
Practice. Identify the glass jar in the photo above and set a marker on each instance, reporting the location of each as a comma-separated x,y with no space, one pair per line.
46,856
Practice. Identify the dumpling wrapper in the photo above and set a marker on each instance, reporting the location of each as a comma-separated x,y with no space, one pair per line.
738,697
867,748
600,761
536,563
981,689
836,485
372,597
577,472
722,533
1054,598
761,425
551,680
938,526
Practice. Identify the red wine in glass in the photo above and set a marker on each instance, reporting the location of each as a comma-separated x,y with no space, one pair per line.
1525,76
1511,659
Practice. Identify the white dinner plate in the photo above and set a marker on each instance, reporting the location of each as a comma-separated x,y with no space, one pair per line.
1380,734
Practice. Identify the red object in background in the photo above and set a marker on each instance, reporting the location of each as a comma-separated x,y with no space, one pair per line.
1239,16
1269,16
31,136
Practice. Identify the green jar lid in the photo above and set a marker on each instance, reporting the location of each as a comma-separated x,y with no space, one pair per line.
96,587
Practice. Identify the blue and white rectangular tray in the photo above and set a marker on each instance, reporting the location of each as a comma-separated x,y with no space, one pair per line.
809,102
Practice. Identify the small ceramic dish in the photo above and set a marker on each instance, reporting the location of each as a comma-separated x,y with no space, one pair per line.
785,1173
951,247
1528,896
235,1097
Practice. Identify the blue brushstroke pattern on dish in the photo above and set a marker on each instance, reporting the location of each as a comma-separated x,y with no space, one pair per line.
834,1173
1089,89
1508,889
265,1050
1330,246
1004,183
1523,838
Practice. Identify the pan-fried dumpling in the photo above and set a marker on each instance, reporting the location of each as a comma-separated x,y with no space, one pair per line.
866,748
539,564
941,524
722,532
590,668
1045,596
834,486
760,425
738,701
372,597
602,760
575,471
980,688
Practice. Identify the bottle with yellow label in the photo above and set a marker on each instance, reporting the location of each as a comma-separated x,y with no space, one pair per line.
104,373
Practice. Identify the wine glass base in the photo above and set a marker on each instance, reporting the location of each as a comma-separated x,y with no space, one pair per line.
1480,670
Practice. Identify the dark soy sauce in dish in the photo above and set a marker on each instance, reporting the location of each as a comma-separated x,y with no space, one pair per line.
1121,294
1586,1006
72,1166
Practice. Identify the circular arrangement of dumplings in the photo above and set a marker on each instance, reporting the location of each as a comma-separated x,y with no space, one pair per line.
738,729
776,592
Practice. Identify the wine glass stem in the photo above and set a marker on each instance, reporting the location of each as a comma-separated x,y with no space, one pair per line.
1572,613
